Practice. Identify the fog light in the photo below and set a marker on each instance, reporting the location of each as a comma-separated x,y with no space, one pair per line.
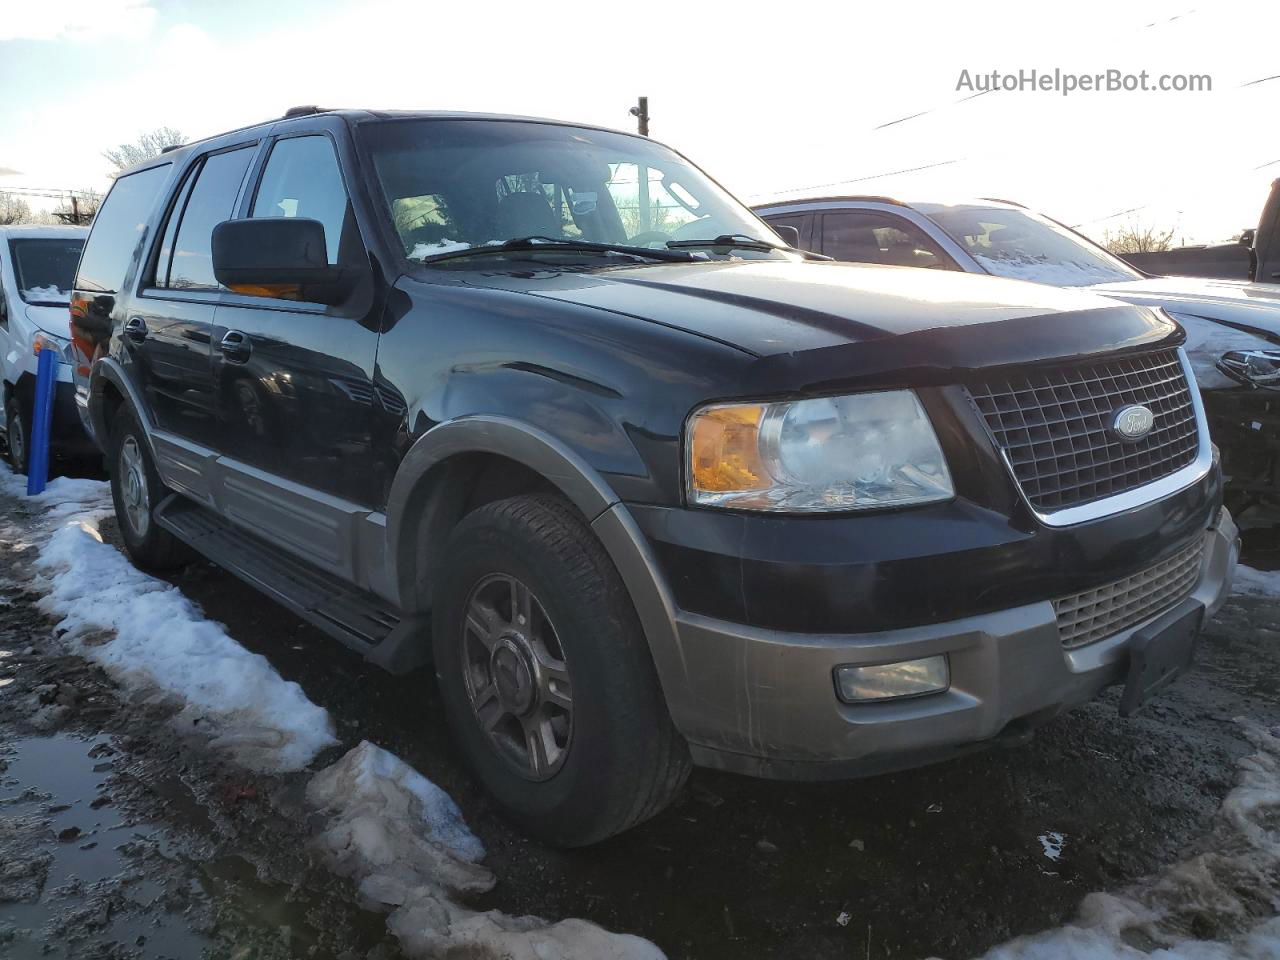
888,681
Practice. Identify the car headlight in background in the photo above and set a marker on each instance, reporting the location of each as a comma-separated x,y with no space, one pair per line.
1259,368
853,452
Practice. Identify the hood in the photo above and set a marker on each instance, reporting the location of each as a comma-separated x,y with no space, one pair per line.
1236,302
53,319
771,308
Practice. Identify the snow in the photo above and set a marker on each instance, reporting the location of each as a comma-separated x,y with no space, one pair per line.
1231,889
1062,273
147,635
400,837
50,293
1249,582
421,250
1052,844
404,843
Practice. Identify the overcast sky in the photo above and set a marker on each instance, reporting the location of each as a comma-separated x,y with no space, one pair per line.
769,97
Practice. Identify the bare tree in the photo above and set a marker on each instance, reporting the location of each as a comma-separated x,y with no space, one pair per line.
78,210
148,145
14,209
1138,237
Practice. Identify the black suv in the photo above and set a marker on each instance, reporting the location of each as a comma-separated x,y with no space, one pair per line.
542,405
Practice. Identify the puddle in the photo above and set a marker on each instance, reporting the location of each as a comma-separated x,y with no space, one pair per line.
98,882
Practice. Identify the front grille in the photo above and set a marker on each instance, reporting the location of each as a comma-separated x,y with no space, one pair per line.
1105,611
1054,425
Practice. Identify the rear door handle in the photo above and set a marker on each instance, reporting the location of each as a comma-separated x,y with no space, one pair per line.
235,346
136,329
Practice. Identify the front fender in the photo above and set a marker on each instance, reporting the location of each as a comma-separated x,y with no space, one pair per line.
410,506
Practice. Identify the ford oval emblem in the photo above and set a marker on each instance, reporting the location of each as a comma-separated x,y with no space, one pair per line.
1133,422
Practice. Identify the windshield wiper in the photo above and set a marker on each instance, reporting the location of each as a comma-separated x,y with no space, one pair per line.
738,241
527,244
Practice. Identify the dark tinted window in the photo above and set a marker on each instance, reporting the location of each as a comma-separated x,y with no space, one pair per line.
799,221
302,179
117,228
45,269
879,238
212,201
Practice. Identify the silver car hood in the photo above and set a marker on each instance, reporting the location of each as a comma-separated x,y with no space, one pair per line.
1237,302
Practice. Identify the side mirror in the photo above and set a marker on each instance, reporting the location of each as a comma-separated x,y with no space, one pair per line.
790,235
1246,237
282,257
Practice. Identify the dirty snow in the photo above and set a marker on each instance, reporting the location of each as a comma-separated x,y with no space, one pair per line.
1231,890
395,833
145,633
1249,582
404,843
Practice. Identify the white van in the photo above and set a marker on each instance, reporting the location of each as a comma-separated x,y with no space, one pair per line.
37,267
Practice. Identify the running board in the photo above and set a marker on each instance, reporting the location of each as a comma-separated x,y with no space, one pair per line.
360,620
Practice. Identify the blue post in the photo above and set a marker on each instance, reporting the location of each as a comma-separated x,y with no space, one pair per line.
41,420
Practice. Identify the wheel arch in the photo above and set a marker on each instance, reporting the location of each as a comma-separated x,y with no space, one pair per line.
431,490
109,389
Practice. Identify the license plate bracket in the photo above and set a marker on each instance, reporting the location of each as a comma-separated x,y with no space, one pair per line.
1158,655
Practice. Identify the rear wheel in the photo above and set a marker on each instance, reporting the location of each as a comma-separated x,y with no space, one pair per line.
17,435
136,491
546,677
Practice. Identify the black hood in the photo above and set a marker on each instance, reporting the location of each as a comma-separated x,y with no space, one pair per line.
784,310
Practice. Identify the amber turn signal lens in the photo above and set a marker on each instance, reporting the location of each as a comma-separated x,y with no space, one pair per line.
725,450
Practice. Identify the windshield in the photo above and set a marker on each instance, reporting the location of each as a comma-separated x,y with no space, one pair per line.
45,269
1020,245
458,184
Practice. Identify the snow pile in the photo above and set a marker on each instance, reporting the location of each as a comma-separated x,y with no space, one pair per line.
145,633
1230,892
404,843
49,294
1249,582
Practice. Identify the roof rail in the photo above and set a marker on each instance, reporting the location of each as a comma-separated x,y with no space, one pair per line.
172,147
1012,203
303,111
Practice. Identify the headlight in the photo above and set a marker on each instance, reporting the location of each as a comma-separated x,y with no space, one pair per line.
1259,368
834,453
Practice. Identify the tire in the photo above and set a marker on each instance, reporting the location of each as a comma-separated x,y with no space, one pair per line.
136,490
17,435
613,758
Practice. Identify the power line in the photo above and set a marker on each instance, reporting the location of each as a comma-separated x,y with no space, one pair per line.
874,176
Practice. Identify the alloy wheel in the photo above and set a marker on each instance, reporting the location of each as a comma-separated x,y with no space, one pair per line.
516,676
134,496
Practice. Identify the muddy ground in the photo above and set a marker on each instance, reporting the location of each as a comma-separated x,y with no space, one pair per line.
118,838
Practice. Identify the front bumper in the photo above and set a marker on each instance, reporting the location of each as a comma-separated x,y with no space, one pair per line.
769,706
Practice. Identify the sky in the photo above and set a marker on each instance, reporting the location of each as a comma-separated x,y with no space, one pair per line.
775,100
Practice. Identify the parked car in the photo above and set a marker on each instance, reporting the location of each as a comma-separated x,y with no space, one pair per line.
1266,240
37,265
1233,328
645,486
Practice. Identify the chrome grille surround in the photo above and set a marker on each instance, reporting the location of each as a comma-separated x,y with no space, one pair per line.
1053,427
1104,611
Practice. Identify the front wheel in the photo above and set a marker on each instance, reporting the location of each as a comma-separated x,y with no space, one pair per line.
17,435
546,677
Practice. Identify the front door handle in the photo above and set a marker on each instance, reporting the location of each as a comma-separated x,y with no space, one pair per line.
136,329
235,346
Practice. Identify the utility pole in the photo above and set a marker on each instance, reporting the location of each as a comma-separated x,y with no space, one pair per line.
641,112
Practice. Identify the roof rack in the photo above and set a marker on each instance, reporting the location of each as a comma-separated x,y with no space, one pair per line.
172,147
303,111
1012,203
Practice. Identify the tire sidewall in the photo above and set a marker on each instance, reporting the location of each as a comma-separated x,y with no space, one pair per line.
591,636
141,549
16,425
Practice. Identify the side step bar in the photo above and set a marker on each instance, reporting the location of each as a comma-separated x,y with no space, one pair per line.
360,620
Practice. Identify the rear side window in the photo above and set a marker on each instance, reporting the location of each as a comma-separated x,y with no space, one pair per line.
117,228
879,238
212,200
302,179
45,269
